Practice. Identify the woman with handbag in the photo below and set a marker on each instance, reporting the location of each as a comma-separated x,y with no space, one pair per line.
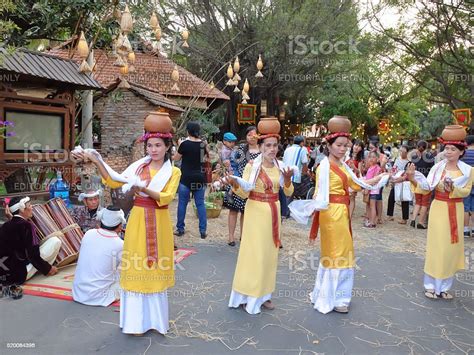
193,153
399,185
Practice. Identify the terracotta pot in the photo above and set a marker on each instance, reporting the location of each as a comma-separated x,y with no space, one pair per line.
339,124
269,125
158,122
453,133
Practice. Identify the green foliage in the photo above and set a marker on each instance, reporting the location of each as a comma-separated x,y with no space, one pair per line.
433,121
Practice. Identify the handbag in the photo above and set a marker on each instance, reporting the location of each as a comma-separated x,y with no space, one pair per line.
366,196
403,192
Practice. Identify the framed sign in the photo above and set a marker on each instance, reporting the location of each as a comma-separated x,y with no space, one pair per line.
246,113
462,116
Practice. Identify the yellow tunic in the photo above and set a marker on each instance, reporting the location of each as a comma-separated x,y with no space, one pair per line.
255,273
443,258
135,275
337,250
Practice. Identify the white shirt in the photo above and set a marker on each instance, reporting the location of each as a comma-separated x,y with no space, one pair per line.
96,278
291,157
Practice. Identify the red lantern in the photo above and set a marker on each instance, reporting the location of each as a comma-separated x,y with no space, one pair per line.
383,126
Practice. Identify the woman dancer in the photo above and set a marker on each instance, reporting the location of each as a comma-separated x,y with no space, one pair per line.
335,276
147,261
451,179
255,273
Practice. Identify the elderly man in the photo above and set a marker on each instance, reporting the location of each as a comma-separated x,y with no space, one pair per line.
96,281
85,216
20,253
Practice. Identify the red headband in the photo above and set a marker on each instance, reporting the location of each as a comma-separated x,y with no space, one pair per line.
462,143
149,135
263,136
337,134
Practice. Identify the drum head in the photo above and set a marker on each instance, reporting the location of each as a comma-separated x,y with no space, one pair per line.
68,260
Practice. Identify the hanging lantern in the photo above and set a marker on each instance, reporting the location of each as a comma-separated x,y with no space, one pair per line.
126,46
236,64
123,84
230,75
246,87
185,36
175,78
236,89
126,22
212,85
119,62
131,69
236,77
84,67
158,33
259,67
124,70
82,47
131,57
154,21
245,96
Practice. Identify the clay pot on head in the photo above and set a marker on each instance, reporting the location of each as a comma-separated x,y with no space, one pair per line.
269,125
158,122
339,124
453,133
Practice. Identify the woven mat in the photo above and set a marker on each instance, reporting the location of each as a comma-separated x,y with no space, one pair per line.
59,286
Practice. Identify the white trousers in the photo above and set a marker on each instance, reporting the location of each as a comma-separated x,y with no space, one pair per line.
439,285
333,288
252,304
49,250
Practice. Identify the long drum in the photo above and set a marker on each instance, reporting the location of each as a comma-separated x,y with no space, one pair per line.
47,227
71,230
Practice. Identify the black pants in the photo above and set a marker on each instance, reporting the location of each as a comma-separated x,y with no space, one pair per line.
391,205
283,203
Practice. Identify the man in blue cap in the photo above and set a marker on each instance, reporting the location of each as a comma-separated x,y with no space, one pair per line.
227,152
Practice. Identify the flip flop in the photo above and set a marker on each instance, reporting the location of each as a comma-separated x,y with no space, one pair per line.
430,294
446,296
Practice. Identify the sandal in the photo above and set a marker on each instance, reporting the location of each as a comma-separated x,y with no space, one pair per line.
402,221
268,305
341,309
232,244
421,226
445,296
430,294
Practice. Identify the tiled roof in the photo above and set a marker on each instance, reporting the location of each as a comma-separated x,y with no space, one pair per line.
155,97
153,71
46,66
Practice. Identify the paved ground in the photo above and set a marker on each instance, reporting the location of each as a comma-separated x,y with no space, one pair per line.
389,313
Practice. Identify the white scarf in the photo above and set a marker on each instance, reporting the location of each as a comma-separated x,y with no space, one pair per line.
436,172
302,210
129,177
249,185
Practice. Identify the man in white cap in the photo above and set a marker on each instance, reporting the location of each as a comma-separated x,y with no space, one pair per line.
96,281
85,216
20,253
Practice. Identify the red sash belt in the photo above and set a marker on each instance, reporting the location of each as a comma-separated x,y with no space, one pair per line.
262,197
453,225
271,198
148,202
339,199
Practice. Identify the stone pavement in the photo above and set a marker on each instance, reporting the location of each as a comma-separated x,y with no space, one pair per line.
389,313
